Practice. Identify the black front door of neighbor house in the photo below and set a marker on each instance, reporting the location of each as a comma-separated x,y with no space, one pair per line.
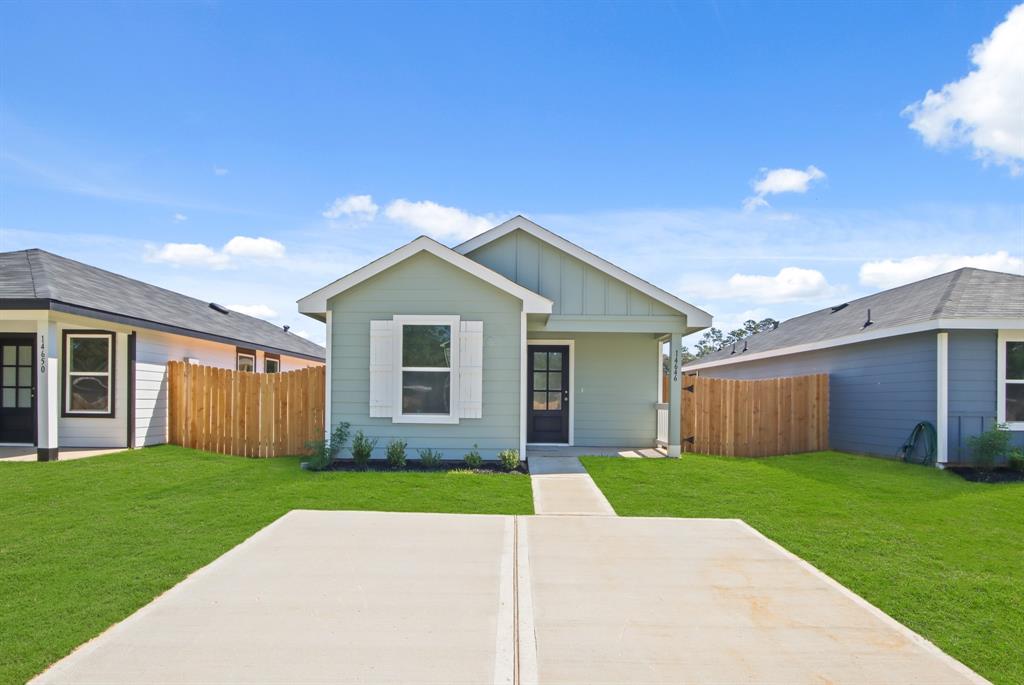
17,388
547,413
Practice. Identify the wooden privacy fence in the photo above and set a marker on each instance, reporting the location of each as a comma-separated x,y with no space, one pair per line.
755,418
243,413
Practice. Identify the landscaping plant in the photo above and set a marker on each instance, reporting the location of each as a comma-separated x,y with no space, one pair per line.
509,459
396,453
325,451
1016,459
362,449
473,458
988,446
430,458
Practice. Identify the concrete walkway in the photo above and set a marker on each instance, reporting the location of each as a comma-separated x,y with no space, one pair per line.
418,599
562,486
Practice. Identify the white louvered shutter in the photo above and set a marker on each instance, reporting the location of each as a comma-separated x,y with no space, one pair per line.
382,368
471,370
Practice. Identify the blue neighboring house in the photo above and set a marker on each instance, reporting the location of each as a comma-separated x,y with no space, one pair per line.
947,349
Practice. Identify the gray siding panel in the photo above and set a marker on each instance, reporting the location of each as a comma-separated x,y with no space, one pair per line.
878,389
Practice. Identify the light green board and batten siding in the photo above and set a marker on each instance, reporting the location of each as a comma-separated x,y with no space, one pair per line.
424,284
576,288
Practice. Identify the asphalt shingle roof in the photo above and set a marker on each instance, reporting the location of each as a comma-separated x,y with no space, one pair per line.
37,274
966,293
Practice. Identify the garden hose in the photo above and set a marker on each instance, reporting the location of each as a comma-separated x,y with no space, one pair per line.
923,435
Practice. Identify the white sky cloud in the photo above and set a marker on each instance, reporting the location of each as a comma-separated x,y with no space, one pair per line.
188,254
775,181
260,311
357,206
254,248
438,221
889,273
219,171
984,109
179,217
789,284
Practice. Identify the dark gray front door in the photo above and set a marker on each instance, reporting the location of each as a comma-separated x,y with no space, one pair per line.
17,388
547,411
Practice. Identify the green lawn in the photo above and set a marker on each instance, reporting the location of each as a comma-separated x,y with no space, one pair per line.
85,543
943,556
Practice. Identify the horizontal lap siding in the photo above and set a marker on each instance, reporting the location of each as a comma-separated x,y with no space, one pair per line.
424,284
615,386
878,390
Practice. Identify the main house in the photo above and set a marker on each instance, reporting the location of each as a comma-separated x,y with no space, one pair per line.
514,337
84,352
948,350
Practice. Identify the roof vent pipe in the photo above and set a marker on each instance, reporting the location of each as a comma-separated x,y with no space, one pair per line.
286,327
744,345
219,308
869,321
733,349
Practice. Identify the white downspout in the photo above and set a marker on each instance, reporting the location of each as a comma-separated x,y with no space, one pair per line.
942,400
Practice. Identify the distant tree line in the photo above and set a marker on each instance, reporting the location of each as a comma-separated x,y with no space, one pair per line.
714,339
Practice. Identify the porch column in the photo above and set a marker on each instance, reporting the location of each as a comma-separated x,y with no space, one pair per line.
47,389
675,395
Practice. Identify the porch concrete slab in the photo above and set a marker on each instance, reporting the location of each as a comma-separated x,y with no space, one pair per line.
568,493
634,600
64,453
327,597
533,451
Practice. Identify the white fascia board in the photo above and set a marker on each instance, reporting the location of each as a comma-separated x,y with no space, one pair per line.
932,325
316,302
696,318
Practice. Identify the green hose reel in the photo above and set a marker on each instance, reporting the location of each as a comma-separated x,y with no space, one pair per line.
923,436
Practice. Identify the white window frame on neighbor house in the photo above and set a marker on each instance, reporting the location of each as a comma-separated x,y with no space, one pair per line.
453,323
1004,337
239,354
571,344
69,336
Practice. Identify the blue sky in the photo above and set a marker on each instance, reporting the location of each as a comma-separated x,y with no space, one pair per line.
756,159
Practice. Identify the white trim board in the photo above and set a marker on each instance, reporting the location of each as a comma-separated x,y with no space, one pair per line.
1004,336
942,397
869,334
572,391
316,302
695,318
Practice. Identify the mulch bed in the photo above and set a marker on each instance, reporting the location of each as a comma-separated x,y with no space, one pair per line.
997,475
415,466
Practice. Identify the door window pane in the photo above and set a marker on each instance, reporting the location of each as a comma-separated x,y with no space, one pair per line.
1015,360
554,401
87,354
9,377
540,381
25,397
89,393
8,397
539,401
1015,401
540,361
24,376
555,361
25,354
554,380
426,392
9,355
427,346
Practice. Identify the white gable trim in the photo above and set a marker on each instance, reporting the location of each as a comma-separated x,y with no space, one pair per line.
695,317
316,302
932,325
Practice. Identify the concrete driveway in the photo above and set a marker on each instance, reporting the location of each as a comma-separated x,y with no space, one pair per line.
357,597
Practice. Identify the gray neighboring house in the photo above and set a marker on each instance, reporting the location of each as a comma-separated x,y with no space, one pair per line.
84,352
947,349
516,337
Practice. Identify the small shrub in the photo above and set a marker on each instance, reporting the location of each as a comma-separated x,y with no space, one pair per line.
430,459
362,449
509,459
396,453
473,458
324,451
988,446
1016,459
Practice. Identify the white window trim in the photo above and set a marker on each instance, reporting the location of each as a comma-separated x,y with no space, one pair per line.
453,322
572,390
267,361
239,355
69,374
1005,336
